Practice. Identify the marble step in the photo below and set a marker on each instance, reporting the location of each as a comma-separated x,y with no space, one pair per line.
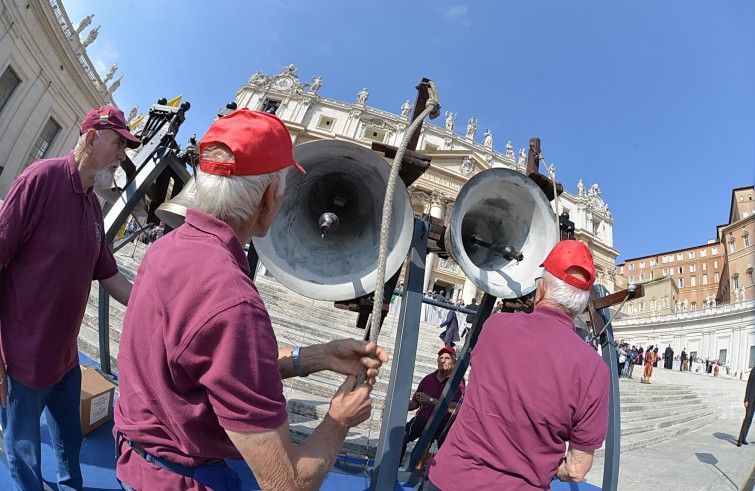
644,414
643,439
679,398
654,423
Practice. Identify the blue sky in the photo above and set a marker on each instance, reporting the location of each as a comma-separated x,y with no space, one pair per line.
654,100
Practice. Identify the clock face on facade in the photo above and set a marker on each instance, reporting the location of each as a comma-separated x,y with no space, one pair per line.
284,83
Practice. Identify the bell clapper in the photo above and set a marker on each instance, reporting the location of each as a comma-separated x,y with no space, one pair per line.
328,222
508,251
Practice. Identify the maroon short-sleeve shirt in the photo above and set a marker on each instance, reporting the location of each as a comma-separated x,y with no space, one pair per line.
534,385
433,387
198,355
52,245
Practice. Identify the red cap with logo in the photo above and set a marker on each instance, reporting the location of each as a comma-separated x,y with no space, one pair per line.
447,349
109,118
260,142
571,254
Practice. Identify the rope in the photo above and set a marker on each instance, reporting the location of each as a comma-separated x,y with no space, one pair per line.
385,226
552,174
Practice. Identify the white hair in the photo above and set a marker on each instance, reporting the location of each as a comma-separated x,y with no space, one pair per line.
82,141
232,199
572,299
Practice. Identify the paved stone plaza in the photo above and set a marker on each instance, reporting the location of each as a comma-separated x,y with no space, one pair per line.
703,459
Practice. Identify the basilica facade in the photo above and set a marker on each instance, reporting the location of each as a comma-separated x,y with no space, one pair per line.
458,152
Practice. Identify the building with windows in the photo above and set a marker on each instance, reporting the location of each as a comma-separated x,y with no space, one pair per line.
737,239
702,298
47,83
455,158
719,272
695,272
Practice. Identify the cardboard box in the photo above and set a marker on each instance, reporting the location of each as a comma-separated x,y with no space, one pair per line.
96,400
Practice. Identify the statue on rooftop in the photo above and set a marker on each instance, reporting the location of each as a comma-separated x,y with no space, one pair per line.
91,37
362,96
115,85
84,24
405,108
509,149
488,140
450,121
132,113
110,73
472,128
316,84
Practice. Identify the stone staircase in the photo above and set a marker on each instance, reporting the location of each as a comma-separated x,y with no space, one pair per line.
671,406
654,412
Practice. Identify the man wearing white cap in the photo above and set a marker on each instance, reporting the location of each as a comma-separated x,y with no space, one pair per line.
535,385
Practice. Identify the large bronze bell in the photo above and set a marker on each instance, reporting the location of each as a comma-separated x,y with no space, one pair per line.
173,212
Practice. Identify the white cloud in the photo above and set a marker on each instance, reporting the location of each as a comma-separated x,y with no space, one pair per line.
457,13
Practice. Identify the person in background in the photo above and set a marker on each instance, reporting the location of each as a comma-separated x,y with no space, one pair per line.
513,427
632,357
451,334
52,245
668,358
651,356
470,317
426,397
749,409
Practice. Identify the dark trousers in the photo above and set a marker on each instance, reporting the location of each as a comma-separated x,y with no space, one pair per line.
414,429
427,485
746,423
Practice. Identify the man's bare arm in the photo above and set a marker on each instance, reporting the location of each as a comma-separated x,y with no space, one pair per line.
118,287
279,465
575,466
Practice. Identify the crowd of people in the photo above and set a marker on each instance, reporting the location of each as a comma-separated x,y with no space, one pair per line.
147,236
630,355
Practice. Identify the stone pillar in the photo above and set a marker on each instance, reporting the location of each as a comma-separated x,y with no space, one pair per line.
469,291
437,202
454,292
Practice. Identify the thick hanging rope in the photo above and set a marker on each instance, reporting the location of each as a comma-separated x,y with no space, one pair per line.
385,226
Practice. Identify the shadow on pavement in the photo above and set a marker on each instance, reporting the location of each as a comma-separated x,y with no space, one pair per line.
710,459
727,437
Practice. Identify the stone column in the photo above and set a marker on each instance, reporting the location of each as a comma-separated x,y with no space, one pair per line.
437,202
469,291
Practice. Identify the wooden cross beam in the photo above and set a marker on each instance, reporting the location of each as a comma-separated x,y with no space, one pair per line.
596,303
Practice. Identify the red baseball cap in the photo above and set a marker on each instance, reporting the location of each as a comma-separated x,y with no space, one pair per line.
571,254
260,142
447,349
109,118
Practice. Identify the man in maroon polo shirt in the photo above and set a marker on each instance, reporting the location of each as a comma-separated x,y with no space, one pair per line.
52,245
426,397
534,385
200,368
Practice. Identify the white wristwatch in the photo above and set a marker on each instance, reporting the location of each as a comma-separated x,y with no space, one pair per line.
432,400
